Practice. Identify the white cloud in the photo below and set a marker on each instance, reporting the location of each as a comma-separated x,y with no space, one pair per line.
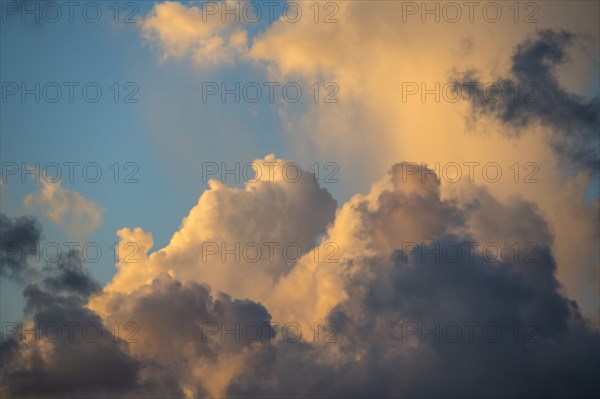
77,215
189,31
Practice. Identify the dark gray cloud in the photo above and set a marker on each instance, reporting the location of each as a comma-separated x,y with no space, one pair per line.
506,222
533,95
69,275
19,238
82,356
468,291
86,360
184,325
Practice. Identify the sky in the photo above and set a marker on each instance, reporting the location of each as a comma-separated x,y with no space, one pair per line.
299,199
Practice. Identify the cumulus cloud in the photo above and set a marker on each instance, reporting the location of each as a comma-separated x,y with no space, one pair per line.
399,314
191,31
237,240
392,272
389,345
69,209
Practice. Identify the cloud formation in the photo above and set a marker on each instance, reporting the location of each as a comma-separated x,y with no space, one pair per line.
18,239
391,324
63,348
418,288
205,37
534,95
373,53
265,226
401,312
68,209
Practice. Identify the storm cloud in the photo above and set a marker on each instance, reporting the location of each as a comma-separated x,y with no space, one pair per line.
19,238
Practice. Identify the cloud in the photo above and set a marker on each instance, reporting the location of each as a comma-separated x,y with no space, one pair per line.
69,275
394,247
534,95
63,348
390,288
188,347
19,238
391,271
69,209
181,31
372,53
266,226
